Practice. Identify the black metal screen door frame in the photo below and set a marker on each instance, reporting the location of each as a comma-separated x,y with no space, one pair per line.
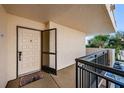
47,68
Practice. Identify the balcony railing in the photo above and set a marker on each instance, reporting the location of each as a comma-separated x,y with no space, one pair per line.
91,71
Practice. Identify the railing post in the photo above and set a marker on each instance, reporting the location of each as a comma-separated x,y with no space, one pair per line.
80,81
82,77
108,61
95,61
97,81
104,58
89,79
83,80
107,84
76,73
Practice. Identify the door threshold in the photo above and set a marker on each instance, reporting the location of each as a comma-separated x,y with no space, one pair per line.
28,73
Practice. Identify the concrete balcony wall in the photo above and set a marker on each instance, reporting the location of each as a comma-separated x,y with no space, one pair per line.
111,53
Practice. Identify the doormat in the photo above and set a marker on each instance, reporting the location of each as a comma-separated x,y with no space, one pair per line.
24,80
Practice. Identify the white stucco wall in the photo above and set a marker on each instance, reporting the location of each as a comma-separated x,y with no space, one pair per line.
3,47
70,44
13,21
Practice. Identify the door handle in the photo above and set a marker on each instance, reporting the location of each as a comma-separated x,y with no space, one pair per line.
20,54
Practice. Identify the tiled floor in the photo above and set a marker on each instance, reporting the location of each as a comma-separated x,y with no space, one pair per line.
65,79
46,82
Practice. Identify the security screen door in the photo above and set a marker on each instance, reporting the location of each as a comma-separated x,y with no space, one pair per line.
49,50
29,50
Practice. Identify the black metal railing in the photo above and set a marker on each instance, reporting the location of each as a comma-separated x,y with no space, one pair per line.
91,71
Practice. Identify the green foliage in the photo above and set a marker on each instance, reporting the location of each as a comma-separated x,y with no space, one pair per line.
115,41
99,41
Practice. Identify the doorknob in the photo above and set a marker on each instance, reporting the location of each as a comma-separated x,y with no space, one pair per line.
20,54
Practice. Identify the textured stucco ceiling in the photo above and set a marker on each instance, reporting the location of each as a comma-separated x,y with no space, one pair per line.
91,19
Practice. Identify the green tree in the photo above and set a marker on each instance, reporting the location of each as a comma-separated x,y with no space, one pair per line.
117,42
99,41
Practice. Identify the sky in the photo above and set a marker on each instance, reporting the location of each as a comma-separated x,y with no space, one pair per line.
119,16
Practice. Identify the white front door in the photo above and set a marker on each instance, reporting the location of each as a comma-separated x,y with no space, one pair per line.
29,51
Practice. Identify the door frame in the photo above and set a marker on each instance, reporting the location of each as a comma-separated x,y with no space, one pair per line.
41,67
49,69
17,29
